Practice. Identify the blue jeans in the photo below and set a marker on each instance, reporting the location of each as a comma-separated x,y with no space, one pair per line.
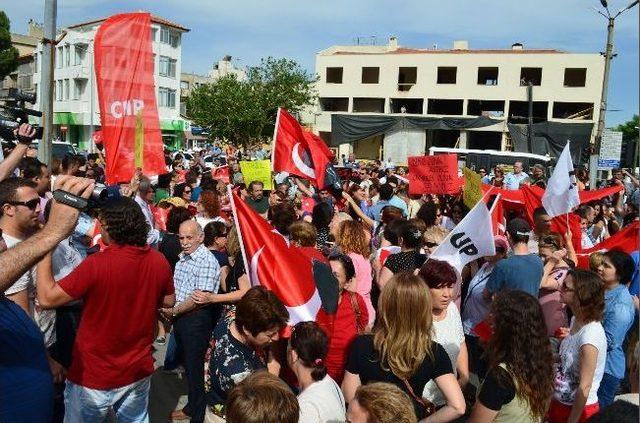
172,358
129,403
607,390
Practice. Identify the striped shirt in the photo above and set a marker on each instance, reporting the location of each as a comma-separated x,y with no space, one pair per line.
198,270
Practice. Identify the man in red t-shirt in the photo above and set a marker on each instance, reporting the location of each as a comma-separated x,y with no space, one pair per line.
122,288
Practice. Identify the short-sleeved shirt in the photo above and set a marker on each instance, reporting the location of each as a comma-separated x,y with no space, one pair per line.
448,333
198,270
405,261
498,393
228,362
567,378
26,385
364,360
122,288
519,272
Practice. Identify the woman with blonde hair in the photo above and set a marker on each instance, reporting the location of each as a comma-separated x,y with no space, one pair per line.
401,351
352,240
381,403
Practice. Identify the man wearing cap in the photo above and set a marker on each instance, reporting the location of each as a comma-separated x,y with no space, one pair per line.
522,271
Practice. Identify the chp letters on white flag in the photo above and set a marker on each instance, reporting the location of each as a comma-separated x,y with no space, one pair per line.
471,239
561,195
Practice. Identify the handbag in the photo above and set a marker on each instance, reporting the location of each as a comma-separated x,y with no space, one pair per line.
356,310
427,406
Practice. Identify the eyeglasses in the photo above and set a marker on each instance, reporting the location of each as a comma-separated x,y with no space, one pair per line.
187,191
31,204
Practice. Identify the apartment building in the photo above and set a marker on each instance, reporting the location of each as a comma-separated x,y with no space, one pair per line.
22,77
459,83
76,108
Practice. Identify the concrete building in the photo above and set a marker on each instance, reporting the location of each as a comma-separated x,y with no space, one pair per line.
22,78
462,83
76,108
190,81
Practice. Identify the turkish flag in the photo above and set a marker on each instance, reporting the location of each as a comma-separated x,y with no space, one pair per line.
305,286
300,152
625,240
127,97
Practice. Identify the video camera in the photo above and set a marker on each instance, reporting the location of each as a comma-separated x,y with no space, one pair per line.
13,112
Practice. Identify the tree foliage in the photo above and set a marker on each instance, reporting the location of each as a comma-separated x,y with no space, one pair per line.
8,53
629,129
244,112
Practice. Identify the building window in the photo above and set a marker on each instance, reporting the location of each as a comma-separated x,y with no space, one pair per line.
25,82
78,54
447,75
170,37
167,97
487,76
437,106
575,77
334,75
35,62
66,89
184,85
368,105
490,108
407,78
407,105
167,66
334,104
58,89
59,57
78,86
67,56
154,31
566,110
370,75
531,76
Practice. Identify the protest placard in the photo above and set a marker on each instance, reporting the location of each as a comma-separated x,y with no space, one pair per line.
257,170
433,174
472,191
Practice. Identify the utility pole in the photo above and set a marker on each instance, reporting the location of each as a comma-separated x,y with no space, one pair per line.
46,83
608,55
530,117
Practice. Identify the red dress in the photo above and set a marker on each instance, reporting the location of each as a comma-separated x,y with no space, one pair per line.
344,331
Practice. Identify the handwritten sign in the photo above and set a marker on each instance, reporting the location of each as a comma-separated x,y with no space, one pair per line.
472,192
433,174
257,170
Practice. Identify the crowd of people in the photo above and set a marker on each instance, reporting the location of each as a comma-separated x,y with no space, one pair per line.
90,292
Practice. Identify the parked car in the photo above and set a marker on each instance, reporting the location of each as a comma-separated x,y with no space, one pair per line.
59,149
213,161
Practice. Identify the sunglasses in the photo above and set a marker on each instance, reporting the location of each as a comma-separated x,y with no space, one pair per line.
31,204
431,244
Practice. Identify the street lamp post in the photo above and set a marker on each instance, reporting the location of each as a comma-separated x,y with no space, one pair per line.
608,55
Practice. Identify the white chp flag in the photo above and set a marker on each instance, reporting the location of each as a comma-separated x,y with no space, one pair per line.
561,195
471,239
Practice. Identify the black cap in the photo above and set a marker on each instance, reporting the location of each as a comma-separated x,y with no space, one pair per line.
518,226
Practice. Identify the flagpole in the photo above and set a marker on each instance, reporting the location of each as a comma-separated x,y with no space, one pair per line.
495,202
275,137
238,229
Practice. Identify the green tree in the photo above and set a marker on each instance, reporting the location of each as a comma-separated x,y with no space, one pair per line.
629,129
229,108
8,53
282,83
244,112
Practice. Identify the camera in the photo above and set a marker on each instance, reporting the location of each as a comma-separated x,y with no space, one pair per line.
13,112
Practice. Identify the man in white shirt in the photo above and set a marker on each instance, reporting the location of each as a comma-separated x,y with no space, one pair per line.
144,198
513,179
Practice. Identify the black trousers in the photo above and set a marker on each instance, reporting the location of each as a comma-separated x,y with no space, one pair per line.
193,332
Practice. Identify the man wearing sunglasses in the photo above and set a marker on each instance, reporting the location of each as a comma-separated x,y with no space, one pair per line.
19,213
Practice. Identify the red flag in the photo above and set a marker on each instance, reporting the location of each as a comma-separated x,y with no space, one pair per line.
127,97
297,151
221,172
272,262
626,240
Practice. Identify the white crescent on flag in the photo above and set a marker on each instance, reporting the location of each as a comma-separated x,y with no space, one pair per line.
300,164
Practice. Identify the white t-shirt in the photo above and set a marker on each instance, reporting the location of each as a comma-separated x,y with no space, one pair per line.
568,369
448,333
203,221
322,402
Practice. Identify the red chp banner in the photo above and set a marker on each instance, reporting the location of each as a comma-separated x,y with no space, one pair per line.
434,174
126,93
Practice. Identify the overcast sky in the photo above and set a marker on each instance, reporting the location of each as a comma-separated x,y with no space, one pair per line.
251,29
